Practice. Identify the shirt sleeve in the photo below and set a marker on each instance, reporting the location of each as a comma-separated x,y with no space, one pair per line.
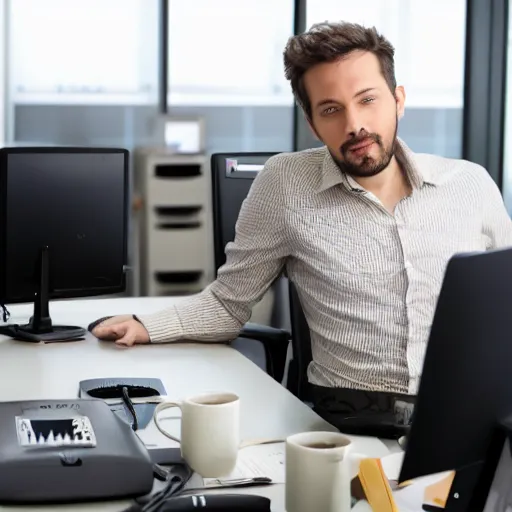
254,260
497,225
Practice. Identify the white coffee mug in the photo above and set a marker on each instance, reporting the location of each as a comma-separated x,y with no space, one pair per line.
318,472
210,432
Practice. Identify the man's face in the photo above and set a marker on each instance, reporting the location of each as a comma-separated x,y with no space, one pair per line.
354,113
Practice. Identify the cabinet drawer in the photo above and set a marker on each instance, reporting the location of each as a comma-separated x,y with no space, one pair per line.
164,288
177,191
176,217
178,249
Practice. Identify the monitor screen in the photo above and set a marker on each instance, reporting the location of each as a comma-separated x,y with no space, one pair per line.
73,201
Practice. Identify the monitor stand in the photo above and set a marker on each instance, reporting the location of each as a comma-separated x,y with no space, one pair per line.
483,486
40,327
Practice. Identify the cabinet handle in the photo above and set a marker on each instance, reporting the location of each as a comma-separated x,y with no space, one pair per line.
177,211
178,277
178,225
177,171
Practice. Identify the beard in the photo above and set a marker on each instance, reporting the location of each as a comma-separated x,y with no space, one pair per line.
366,166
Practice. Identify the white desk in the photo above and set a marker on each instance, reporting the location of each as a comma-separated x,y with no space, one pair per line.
38,371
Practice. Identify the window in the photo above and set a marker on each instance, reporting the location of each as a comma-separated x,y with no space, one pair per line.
434,68
3,116
429,41
84,51
228,52
507,143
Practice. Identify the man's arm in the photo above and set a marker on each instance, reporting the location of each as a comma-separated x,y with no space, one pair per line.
497,225
253,261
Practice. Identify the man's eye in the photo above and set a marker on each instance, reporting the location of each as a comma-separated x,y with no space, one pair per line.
330,110
368,100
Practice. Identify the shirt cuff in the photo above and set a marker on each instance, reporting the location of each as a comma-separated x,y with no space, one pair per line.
162,327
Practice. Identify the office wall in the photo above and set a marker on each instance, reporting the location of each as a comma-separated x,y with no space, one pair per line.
227,128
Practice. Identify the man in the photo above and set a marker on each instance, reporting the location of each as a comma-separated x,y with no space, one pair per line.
363,226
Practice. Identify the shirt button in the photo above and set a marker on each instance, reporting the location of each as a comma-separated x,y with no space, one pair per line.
408,264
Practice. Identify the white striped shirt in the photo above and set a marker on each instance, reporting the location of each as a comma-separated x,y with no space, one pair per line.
368,280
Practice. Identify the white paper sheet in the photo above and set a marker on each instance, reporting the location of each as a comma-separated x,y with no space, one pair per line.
392,464
264,460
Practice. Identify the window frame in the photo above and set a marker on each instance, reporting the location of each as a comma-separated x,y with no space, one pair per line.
483,137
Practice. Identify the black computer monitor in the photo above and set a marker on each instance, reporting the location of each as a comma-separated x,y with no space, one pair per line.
465,393
63,230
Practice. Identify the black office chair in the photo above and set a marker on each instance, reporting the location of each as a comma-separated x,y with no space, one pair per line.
298,382
232,177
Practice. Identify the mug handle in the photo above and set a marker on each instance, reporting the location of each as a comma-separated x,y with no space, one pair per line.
158,409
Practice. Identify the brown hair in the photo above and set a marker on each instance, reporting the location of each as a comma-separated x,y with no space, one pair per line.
328,42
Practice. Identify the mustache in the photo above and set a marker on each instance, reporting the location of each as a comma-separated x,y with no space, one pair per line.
359,139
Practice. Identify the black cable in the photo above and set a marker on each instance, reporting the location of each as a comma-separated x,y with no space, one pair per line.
128,402
5,313
175,485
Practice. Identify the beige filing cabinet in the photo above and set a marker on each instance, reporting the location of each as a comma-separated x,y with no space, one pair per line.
174,222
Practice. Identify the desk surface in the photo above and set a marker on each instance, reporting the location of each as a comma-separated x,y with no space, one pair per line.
37,371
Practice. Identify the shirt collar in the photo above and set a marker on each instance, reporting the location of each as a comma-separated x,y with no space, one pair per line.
408,160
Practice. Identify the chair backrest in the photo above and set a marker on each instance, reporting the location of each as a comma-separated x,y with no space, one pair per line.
298,382
232,177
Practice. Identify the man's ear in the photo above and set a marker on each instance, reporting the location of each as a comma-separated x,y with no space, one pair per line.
400,101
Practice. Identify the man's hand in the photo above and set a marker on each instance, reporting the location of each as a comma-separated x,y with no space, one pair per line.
122,329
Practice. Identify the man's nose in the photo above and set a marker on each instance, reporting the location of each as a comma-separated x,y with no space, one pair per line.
353,124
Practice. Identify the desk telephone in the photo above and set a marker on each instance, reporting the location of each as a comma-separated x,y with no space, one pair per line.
69,450
55,451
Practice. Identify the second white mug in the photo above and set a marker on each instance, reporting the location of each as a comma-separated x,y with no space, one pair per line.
318,471
210,432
